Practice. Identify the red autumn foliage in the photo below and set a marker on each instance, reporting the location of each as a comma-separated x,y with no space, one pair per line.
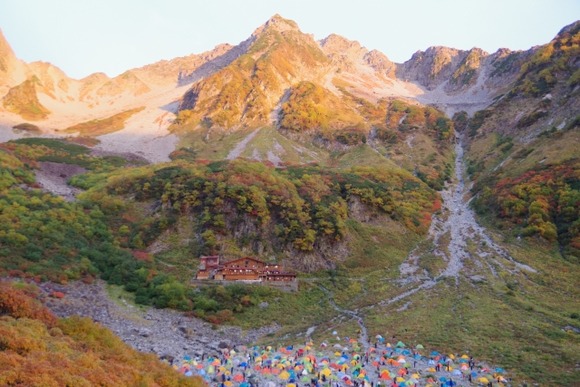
19,304
36,349
436,205
56,294
142,256
543,202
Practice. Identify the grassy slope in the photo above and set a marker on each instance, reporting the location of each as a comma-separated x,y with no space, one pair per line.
360,155
513,321
553,148
95,128
23,100
211,144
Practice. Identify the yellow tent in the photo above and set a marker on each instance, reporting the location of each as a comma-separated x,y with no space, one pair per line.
483,380
326,372
284,375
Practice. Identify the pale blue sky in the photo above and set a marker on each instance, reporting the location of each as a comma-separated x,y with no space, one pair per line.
85,36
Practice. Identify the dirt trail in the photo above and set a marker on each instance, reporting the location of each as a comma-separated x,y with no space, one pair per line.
364,336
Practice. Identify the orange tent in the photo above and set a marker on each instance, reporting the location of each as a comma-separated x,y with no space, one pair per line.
238,378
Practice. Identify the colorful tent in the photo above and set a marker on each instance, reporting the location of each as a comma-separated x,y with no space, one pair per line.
289,365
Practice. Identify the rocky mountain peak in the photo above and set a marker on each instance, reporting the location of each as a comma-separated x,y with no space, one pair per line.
478,51
345,53
12,70
571,29
5,49
502,52
334,43
430,67
276,23
440,55
380,62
